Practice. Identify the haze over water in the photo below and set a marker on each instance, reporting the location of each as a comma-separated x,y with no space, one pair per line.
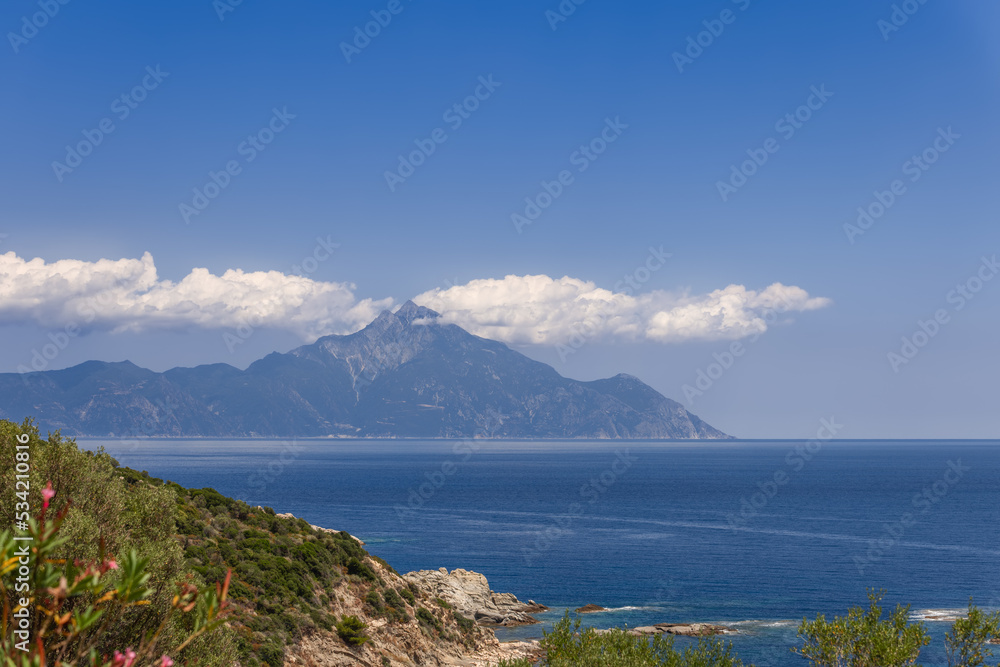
653,531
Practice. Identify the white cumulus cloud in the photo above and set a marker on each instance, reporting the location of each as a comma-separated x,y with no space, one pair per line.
552,311
126,295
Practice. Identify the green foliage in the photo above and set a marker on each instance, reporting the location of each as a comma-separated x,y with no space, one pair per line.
284,571
442,603
567,646
352,630
393,599
393,607
70,606
112,513
863,638
464,624
361,569
374,600
272,654
967,639
429,619
407,595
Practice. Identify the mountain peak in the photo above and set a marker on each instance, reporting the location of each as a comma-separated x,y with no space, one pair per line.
394,378
410,311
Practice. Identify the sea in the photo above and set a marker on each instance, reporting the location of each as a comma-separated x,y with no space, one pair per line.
755,535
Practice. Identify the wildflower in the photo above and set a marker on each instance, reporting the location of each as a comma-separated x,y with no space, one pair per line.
47,494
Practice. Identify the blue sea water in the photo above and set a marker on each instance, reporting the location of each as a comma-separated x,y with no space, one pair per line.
753,534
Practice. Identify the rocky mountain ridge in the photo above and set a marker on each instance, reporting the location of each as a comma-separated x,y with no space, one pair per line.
407,374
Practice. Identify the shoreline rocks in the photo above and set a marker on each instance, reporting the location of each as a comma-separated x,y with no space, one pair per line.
589,609
682,629
470,595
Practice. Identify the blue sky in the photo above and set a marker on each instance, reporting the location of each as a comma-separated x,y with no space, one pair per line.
447,229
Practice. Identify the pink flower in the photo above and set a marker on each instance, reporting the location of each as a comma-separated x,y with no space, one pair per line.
165,661
111,564
47,494
124,660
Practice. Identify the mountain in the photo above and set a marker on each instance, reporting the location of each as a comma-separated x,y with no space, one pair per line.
406,374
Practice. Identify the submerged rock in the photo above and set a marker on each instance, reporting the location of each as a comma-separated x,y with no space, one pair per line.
684,629
589,609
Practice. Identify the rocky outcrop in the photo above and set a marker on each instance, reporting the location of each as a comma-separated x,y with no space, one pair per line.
470,595
437,639
589,609
685,629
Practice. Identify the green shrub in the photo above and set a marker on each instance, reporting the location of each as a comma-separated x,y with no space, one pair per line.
352,630
863,638
115,512
465,624
428,619
407,595
321,619
567,646
76,602
392,598
256,544
273,654
967,639
442,603
360,569
374,600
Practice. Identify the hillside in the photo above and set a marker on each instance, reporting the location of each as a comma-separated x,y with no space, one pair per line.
404,375
292,583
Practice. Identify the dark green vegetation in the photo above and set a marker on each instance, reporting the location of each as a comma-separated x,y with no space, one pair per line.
316,390
967,640
67,612
286,580
864,638
110,504
352,630
285,573
567,646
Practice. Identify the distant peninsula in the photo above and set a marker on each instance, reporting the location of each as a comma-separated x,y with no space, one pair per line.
405,375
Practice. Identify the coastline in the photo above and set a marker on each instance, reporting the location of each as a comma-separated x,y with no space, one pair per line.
487,530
